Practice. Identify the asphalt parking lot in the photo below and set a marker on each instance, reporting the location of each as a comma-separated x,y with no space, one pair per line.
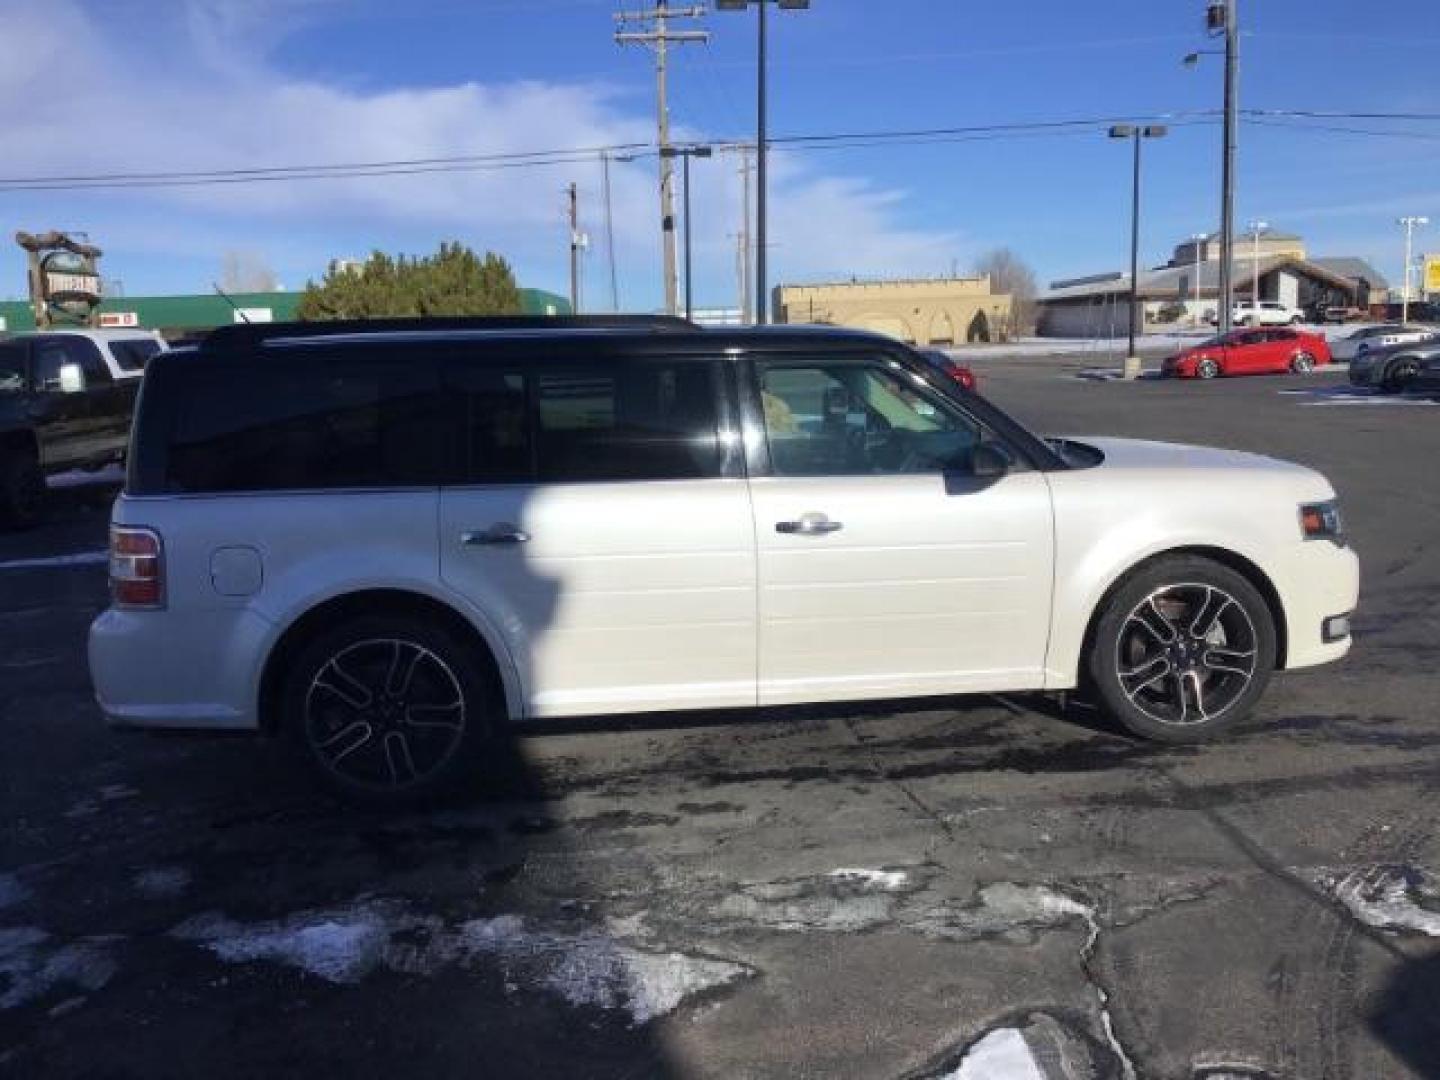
843,892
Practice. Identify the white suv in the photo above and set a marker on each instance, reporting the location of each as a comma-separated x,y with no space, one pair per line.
1268,313
387,539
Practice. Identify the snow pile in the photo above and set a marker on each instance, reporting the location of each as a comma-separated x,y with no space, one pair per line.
30,966
588,967
889,880
1388,897
1001,1054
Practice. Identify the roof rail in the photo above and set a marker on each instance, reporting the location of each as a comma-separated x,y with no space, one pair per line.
241,335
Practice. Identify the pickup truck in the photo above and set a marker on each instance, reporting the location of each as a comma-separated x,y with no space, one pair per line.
66,398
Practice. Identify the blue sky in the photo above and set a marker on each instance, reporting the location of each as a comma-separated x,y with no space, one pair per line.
149,85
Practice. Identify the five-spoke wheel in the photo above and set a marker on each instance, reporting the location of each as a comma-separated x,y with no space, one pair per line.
388,709
1182,649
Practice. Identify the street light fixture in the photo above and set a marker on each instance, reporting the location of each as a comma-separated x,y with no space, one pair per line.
1409,224
1135,132
685,153
762,301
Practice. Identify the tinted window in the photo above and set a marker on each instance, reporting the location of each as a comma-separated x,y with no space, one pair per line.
50,357
305,421
630,420
497,425
12,368
132,354
852,419
83,351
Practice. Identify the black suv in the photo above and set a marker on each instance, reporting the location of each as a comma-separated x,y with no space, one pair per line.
61,408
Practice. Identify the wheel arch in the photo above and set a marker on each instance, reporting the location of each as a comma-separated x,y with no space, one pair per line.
1225,557
377,601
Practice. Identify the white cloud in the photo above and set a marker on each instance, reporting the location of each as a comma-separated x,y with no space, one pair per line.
197,90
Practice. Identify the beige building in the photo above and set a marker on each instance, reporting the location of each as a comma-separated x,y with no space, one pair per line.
924,311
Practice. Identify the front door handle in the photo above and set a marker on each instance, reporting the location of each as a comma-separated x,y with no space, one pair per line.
809,525
503,533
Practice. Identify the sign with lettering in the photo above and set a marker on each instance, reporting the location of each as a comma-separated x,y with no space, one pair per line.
119,318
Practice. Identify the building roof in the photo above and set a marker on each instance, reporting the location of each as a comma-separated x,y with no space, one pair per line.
1165,282
1352,267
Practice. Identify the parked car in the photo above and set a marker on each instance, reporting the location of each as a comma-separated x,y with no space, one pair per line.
1249,352
962,374
388,539
1339,313
1268,313
1396,368
1379,336
62,406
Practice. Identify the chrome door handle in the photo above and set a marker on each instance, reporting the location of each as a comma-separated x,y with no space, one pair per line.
503,533
809,525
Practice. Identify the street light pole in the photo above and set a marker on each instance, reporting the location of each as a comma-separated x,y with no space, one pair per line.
1408,224
1196,239
1256,228
1135,132
685,153
762,301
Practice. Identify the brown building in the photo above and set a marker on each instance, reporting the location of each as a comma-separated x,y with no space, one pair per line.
923,311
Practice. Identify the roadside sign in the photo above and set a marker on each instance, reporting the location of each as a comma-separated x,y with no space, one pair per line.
119,318
1432,274
254,314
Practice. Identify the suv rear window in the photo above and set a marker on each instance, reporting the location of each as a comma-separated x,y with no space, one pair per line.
132,354
298,423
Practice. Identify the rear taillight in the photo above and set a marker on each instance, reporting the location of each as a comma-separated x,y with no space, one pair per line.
137,567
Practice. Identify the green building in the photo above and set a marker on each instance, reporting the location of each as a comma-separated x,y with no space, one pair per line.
175,316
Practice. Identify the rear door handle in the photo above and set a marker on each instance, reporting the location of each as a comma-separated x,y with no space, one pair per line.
504,533
809,525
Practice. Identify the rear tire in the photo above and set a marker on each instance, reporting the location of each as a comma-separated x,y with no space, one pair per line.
391,710
1398,375
22,491
1302,363
1181,650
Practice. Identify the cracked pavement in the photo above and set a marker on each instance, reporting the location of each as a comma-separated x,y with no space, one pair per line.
885,890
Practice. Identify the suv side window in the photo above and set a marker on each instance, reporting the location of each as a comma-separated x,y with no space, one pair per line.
312,420
847,419
633,419
12,368
50,357
83,351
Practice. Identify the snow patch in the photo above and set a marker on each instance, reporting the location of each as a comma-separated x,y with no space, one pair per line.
1001,1054
31,965
1403,898
889,880
586,968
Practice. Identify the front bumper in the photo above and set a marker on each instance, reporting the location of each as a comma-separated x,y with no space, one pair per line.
1320,590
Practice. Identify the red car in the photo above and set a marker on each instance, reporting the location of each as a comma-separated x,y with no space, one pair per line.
1259,351
956,370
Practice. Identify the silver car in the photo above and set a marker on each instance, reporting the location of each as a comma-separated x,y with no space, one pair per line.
1392,367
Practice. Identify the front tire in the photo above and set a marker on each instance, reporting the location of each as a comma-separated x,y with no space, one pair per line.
1207,369
390,710
1182,650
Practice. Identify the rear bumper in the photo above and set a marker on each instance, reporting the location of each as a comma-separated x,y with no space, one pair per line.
154,669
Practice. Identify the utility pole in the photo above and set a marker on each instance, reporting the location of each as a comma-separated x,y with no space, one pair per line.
660,37
1256,228
1408,224
578,242
609,231
1227,12
747,314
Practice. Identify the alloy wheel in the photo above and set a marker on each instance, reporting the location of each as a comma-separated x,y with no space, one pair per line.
384,714
1207,369
1302,363
1186,654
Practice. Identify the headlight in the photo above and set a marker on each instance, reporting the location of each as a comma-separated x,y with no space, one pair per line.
1321,521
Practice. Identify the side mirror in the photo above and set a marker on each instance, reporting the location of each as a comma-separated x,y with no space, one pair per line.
72,378
988,461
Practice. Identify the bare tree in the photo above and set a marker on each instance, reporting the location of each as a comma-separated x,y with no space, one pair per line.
246,272
1011,274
